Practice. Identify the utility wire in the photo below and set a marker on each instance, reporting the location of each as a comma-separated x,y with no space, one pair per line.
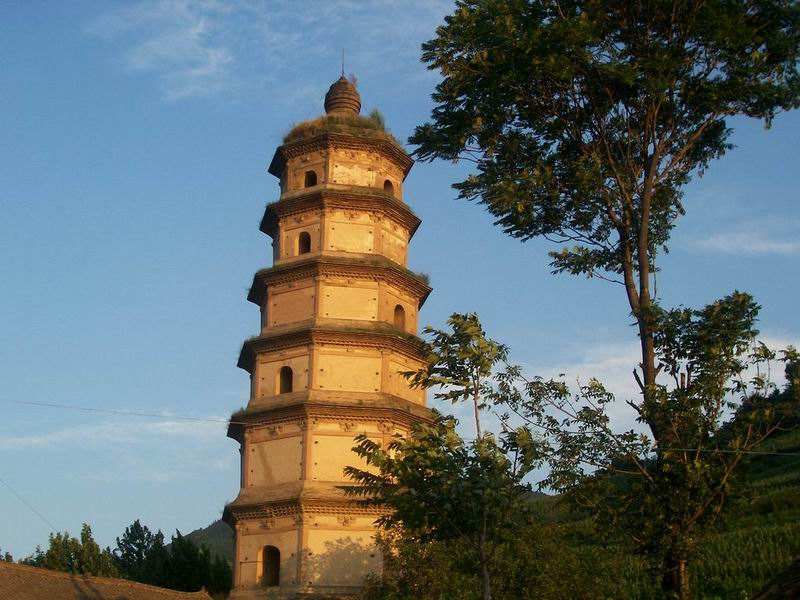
124,413
127,413
26,503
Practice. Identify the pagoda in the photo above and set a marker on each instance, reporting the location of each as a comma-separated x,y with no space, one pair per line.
339,311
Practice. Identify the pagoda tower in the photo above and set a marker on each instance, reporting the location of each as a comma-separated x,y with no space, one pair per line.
338,327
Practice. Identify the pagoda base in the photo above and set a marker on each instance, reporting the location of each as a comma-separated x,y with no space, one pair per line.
295,593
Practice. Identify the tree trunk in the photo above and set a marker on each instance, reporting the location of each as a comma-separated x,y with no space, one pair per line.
487,583
675,578
475,401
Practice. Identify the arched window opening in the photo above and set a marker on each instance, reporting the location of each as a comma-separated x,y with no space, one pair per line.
304,243
388,187
311,178
400,317
270,566
285,380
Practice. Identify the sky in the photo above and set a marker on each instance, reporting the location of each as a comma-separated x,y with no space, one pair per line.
135,141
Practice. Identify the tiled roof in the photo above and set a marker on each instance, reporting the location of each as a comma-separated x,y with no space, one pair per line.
20,582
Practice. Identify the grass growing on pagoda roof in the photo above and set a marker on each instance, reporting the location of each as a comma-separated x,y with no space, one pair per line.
372,126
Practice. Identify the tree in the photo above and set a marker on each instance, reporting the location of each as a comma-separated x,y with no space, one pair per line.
132,552
663,491
82,556
586,119
460,363
157,562
189,564
439,487
6,557
142,556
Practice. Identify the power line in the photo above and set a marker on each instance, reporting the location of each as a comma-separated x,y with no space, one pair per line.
124,413
128,413
26,503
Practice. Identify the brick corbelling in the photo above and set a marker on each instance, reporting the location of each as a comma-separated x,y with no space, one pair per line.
360,198
384,146
376,336
394,410
299,508
326,266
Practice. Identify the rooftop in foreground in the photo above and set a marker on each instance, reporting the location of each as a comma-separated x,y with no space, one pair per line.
22,582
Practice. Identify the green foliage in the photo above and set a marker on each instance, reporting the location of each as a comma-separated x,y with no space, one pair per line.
81,556
373,126
183,565
562,556
439,488
6,557
586,118
662,491
459,362
140,555
535,564
134,553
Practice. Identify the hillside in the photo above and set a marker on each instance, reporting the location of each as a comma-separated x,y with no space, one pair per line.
217,537
757,538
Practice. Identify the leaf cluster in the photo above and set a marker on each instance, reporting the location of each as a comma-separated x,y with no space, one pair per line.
585,118
664,485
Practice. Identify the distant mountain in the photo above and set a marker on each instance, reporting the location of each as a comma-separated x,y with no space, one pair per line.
217,537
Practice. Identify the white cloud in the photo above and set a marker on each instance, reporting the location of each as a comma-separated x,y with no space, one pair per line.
117,433
612,364
181,41
749,243
750,235
204,47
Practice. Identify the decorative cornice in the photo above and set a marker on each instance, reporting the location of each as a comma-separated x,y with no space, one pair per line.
311,406
300,509
357,198
374,267
379,335
385,146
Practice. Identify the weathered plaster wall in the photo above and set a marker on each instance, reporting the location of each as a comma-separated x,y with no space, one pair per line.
316,299
342,232
343,167
268,366
253,535
325,541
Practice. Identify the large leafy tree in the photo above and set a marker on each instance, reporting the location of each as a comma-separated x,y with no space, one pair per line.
585,120
437,486
717,407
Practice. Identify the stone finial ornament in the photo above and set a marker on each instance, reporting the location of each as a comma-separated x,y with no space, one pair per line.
342,98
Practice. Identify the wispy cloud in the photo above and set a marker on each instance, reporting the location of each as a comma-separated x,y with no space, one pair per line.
180,41
749,243
613,364
204,47
751,235
115,433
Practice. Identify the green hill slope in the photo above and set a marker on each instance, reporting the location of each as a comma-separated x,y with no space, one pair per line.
757,538
217,537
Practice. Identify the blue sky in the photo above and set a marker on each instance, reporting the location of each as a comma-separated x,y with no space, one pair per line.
132,179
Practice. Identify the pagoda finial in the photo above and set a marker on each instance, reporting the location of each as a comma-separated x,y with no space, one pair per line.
342,97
